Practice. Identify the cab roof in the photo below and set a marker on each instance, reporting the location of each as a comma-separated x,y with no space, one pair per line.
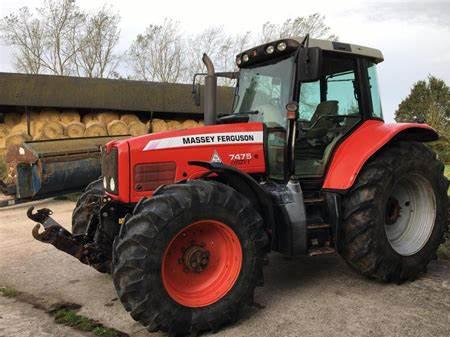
260,53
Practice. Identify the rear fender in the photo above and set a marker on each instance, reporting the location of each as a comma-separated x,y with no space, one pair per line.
363,143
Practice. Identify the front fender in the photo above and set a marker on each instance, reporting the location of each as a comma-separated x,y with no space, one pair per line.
363,143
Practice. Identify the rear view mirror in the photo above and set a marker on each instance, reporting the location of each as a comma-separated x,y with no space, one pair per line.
309,64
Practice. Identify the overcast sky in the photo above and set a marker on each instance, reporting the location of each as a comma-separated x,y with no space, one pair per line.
413,35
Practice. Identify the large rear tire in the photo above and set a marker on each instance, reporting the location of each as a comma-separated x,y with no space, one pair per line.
189,259
87,210
395,215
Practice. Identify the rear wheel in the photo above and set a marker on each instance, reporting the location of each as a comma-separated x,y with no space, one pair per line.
189,258
395,215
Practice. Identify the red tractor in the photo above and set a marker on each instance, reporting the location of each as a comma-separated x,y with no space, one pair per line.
304,164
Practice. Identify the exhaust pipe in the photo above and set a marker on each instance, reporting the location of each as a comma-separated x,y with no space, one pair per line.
210,112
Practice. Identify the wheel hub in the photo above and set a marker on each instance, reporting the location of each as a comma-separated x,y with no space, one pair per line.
392,211
196,259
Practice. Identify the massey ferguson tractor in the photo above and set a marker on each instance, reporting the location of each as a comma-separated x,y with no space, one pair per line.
304,164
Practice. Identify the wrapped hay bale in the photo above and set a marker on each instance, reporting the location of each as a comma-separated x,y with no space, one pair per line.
52,130
16,139
174,125
74,130
117,128
129,118
158,125
12,118
187,124
95,129
137,129
68,117
89,117
49,115
107,117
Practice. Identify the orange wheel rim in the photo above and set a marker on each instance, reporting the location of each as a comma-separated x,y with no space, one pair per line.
201,263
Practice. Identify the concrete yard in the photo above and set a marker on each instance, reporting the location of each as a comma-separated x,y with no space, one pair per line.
311,297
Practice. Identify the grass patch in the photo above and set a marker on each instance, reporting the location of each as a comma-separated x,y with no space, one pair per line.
8,292
70,318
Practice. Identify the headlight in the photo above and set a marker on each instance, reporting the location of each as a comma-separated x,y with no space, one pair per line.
238,61
112,184
281,46
270,49
105,183
245,58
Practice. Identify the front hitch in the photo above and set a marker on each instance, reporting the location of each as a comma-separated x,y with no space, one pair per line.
62,239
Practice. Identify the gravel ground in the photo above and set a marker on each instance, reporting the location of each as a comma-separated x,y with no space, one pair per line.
305,296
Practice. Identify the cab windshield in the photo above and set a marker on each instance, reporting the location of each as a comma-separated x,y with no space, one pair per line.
264,91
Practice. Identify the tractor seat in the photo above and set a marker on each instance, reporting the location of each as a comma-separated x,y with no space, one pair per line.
320,125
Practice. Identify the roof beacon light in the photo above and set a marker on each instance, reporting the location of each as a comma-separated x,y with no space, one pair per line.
270,49
282,46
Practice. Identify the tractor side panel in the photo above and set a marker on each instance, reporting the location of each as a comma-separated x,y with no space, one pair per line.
366,140
238,145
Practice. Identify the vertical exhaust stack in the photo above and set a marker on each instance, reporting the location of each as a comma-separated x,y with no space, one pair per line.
210,111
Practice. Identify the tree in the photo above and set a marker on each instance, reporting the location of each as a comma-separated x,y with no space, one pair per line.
97,42
429,101
313,24
156,55
59,38
219,46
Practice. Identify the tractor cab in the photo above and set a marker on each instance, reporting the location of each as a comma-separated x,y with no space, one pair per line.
335,85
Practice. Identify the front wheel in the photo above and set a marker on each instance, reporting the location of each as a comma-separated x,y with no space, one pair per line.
189,258
395,215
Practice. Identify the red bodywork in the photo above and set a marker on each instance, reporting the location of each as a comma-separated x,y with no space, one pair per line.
366,140
170,147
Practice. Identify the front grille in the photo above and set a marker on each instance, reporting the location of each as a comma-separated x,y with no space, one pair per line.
110,170
148,177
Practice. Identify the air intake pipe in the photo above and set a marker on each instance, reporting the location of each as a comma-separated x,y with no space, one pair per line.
210,112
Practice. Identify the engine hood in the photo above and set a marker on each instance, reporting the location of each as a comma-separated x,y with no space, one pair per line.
239,145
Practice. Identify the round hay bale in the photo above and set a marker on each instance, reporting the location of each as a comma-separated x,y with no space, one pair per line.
68,117
174,125
107,117
4,130
187,124
158,125
89,117
117,127
75,130
12,118
129,118
20,128
49,115
34,116
53,130
95,129
37,129
137,129
16,139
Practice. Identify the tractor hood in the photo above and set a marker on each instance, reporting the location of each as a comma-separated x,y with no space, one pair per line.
144,163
